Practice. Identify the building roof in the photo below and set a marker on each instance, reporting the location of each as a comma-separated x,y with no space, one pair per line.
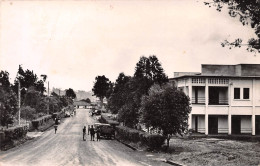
225,71
81,103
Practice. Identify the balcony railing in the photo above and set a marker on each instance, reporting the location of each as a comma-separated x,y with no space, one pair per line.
220,101
201,100
198,100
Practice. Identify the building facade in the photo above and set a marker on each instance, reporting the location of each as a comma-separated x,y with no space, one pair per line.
225,99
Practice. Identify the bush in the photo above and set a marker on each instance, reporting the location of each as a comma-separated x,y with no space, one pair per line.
15,133
40,121
153,141
106,119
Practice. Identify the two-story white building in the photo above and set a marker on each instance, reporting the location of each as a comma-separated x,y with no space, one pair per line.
225,99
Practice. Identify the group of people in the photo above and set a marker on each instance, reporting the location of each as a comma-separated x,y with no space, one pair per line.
92,133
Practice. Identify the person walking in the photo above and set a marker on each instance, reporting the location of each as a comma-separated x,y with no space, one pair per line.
55,125
98,134
92,133
55,128
84,133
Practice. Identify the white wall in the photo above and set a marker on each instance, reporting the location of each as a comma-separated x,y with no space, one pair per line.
240,83
223,124
246,125
201,124
257,92
247,110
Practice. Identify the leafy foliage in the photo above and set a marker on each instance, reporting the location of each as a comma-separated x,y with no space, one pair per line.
4,79
28,113
248,12
101,87
166,109
119,95
148,71
70,93
86,100
8,106
28,79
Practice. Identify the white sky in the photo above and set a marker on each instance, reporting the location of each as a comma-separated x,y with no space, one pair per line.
74,41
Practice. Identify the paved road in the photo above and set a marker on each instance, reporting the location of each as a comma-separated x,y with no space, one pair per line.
67,148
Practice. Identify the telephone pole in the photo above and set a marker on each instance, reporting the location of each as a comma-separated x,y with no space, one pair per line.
19,101
48,105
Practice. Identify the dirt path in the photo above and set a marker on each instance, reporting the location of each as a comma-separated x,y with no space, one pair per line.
67,148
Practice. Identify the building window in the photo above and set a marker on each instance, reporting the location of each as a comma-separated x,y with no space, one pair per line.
246,93
236,93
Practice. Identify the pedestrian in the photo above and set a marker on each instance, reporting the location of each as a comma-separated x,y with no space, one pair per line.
84,133
92,133
55,128
88,129
98,134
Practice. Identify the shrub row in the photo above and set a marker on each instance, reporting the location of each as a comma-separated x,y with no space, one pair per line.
106,119
153,141
40,121
13,133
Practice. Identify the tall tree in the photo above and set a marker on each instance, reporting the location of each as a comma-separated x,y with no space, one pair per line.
8,106
119,95
4,79
151,69
70,93
166,109
28,79
101,86
248,12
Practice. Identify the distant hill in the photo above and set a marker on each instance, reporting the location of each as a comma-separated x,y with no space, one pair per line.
79,93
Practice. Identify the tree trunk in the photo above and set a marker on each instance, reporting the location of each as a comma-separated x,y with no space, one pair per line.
168,142
101,101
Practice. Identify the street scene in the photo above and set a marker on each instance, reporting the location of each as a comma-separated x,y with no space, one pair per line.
130,83
68,148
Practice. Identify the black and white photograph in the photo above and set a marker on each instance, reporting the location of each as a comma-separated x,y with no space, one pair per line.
129,83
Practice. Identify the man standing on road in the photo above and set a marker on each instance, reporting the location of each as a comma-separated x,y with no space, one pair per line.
92,133
84,133
98,134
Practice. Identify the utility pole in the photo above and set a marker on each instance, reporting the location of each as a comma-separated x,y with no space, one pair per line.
19,101
48,100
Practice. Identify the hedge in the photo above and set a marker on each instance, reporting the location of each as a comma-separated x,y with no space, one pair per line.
40,121
153,141
106,119
13,133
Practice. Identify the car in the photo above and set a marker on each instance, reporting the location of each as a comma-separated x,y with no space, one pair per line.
97,112
67,114
106,130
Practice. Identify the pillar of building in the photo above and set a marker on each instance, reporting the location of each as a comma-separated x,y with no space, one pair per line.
229,124
190,121
229,106
190,96
206,105
253,111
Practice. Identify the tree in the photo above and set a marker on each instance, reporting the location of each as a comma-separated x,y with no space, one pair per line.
28,113
86,100
151,69
35,100
70,93
8,106
119,95
101,86
248,12
4,79
148,71
28,79
167,109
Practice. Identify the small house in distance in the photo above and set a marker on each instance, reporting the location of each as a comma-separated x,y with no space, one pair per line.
225,99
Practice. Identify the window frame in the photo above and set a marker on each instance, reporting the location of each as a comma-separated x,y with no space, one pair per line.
239,94
247,94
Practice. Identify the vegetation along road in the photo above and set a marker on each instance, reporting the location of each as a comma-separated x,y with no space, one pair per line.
67,148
